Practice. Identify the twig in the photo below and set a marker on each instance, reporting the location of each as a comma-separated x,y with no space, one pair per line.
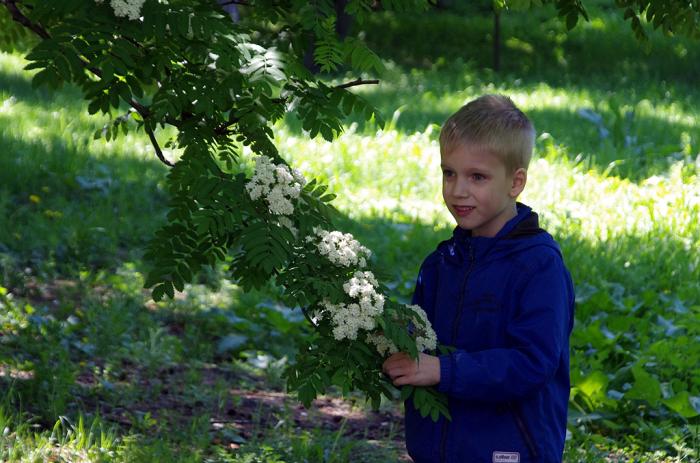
234,2
17,16
156,146
357,82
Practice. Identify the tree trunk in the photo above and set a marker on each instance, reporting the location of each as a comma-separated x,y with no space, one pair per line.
496,40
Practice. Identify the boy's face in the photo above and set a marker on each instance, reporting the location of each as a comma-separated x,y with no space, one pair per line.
478,191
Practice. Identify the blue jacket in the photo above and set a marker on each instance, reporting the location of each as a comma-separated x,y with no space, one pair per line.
505,304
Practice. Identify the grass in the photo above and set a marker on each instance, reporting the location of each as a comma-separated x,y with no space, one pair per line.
93,370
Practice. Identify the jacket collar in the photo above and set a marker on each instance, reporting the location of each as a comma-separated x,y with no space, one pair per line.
463,245
525,222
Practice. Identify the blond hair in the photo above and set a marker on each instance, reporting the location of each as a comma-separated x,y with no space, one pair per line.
495,123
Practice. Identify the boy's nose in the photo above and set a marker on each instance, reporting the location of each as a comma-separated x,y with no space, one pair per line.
461,190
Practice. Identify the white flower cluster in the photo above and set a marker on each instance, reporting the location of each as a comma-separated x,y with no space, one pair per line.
126,8
347,319
287,222
427,339
382,343
341,248
277,184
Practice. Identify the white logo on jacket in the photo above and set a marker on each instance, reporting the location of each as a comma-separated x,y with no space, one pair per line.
506,457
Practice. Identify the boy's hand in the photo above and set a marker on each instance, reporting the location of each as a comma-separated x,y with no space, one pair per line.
403,370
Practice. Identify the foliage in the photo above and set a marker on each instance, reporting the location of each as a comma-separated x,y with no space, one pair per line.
672,17
210,79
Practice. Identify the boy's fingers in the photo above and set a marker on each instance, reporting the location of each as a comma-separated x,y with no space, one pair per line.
403,380
395,371
394,360
402,369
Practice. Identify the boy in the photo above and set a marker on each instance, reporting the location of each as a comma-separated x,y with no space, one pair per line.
499,295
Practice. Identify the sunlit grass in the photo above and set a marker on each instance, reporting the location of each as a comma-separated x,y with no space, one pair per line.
78,442
37,116
392,174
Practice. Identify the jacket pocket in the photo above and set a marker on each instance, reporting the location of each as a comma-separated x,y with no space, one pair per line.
421,435
486,302
524,430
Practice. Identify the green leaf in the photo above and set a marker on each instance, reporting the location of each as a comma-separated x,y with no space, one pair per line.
158,292
230,342
594,385
683,404
646,387
43,77
169,290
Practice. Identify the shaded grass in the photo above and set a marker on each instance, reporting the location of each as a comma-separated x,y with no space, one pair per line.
66,198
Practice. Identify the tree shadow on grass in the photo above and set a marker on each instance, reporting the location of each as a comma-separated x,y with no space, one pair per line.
64,209
65,205
645,145
644,136
20,86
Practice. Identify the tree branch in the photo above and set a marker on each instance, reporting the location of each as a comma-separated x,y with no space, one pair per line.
357,82
234,2
156,146
19,17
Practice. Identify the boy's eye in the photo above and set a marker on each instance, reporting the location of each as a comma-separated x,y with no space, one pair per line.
447,173
478,177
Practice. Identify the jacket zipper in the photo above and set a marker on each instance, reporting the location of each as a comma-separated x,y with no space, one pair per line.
524,430
455,328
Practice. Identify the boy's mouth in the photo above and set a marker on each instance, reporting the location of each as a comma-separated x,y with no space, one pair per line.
463,210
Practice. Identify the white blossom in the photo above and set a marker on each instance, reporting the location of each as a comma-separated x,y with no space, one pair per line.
426,339
287,222
383,345
362,284
276,184
126,8
348,318
341,248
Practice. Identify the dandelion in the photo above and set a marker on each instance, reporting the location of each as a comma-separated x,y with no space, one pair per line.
51,214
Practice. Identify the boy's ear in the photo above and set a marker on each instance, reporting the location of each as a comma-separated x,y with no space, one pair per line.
519,180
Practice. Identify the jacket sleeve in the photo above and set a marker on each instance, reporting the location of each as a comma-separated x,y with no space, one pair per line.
536,336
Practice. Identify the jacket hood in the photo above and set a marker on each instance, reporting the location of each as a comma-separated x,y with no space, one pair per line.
519,233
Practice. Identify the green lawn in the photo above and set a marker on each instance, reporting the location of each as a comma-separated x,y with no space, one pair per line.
92,370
